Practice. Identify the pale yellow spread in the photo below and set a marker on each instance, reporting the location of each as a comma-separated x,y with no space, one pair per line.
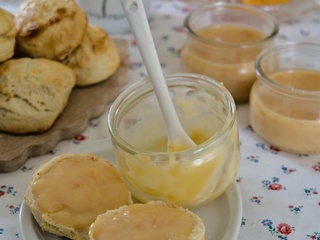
231,34
143,222
232,66
265,2
185,183
196,136
75,190
295,127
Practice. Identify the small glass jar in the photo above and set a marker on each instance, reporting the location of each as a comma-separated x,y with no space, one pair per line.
285,100
190,177
223,42
283,10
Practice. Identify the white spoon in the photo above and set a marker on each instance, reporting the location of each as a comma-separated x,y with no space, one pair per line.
178,139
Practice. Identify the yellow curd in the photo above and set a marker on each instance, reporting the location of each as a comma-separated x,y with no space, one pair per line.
185,182
265,2
230,64
289,123
74,191
185,177
143,222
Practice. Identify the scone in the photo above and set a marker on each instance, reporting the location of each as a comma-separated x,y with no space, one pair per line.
156,220
96,59
49,28
66,194
33,93
7,35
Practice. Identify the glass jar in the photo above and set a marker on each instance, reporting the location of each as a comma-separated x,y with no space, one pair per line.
283,10
190,177
223,42
285,100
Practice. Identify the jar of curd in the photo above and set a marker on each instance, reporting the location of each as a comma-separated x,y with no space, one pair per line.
188,177
285,100
223,42
283,10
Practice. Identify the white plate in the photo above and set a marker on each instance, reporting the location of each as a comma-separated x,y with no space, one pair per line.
222,217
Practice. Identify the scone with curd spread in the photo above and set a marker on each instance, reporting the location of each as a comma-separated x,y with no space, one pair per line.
96,59
156,220
49,28
66,194
7,35
33,94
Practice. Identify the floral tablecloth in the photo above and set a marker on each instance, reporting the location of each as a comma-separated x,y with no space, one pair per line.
280,191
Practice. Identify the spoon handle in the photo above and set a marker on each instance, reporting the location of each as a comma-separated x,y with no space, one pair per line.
138,21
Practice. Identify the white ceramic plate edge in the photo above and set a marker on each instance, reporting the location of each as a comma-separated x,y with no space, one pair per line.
232,216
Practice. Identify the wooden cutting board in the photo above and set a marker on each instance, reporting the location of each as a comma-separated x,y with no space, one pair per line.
85,103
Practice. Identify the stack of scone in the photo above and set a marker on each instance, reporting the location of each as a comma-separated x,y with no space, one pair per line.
82,196
46,49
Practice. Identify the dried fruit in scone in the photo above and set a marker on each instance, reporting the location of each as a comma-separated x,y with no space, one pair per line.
49,28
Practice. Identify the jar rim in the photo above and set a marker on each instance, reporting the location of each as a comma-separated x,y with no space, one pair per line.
218,136
288,46
218,5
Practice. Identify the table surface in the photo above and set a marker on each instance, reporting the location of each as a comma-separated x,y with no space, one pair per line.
280,191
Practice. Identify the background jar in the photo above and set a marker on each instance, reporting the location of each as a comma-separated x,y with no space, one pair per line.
283,10
226,58
188,178
285,111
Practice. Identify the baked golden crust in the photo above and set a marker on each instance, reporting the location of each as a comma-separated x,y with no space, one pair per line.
96,59
50,29
7,35
33,93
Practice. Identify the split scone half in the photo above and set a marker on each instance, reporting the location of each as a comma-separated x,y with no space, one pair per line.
156,220
66,194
